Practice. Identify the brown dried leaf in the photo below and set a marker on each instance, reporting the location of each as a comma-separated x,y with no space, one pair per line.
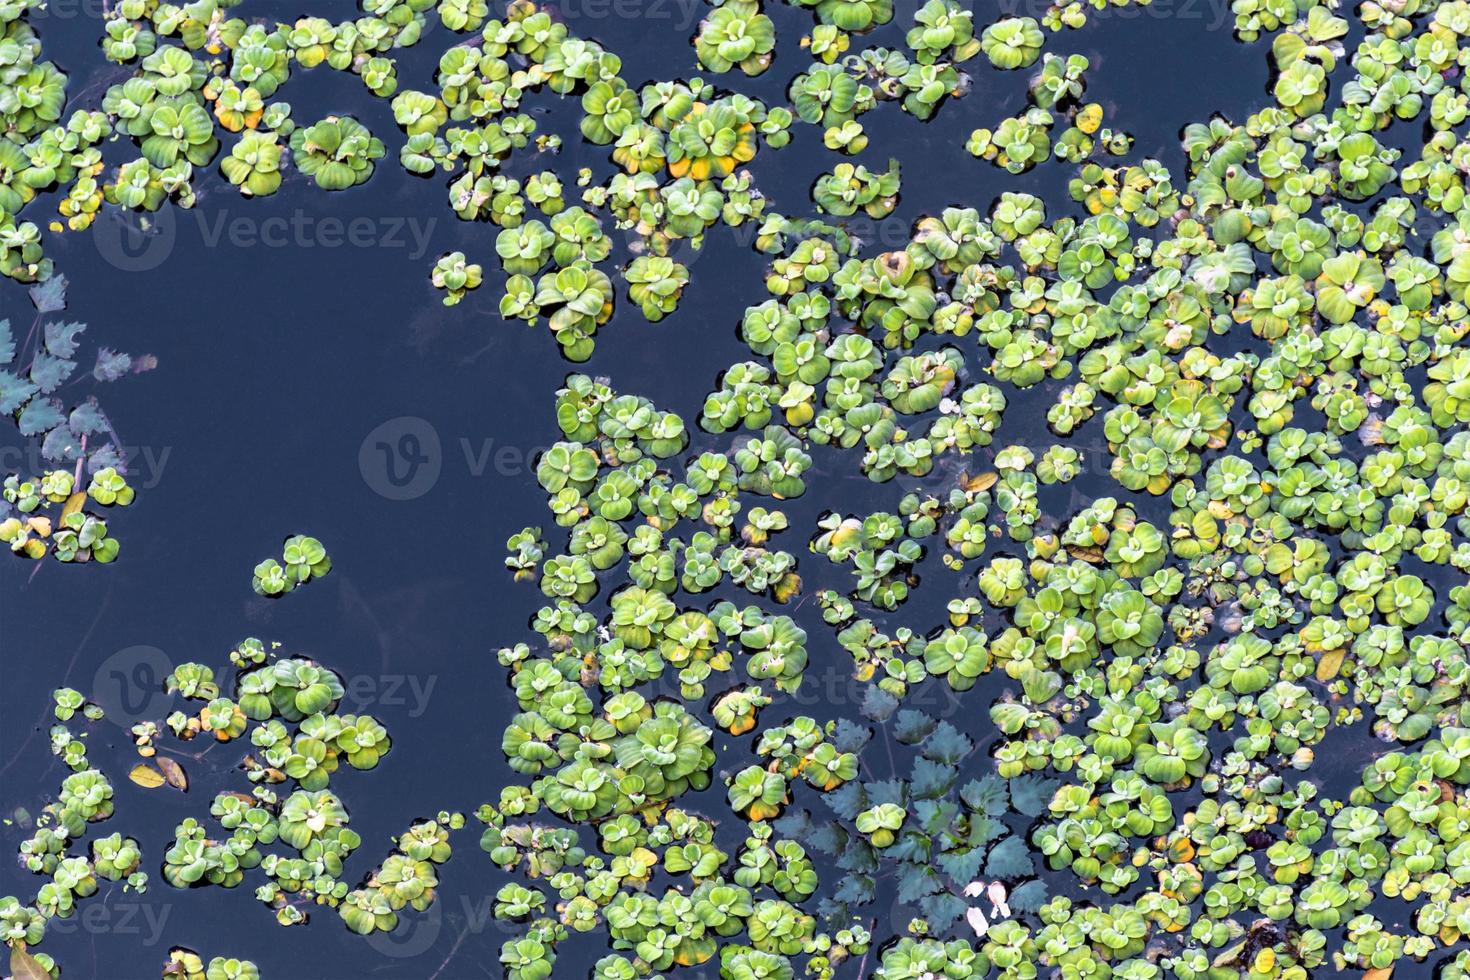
975,484
24,966
174,773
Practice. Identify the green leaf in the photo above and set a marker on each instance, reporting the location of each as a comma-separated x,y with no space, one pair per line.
855,890
847,800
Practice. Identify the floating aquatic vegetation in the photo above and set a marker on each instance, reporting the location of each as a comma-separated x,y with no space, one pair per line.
304,559
1261,356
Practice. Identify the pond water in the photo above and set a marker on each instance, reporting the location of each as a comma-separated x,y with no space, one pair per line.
309,380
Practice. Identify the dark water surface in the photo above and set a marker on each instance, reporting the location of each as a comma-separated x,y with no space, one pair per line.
299,341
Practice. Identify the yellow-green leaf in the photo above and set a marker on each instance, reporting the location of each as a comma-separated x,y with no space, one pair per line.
146,776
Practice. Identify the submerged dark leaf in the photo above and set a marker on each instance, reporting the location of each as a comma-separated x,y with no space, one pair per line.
855,890
847,799
916,881
849,736
987,795
1030,794
1028,897
931,779
795,823
910,726
942,910
1009,859
858,856
962,865
878,704
947,744
827,837
886,791
984,829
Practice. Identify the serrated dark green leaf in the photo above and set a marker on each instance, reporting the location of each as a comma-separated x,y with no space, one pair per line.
942,910
828,837
794,824
910,726
855,890
1009,859
962,865
878,704
849,736
946,744
911,846
1029,897
1030,794
987,795
858,856
7,343
931,780
847,800
893,791
984,829
915,881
